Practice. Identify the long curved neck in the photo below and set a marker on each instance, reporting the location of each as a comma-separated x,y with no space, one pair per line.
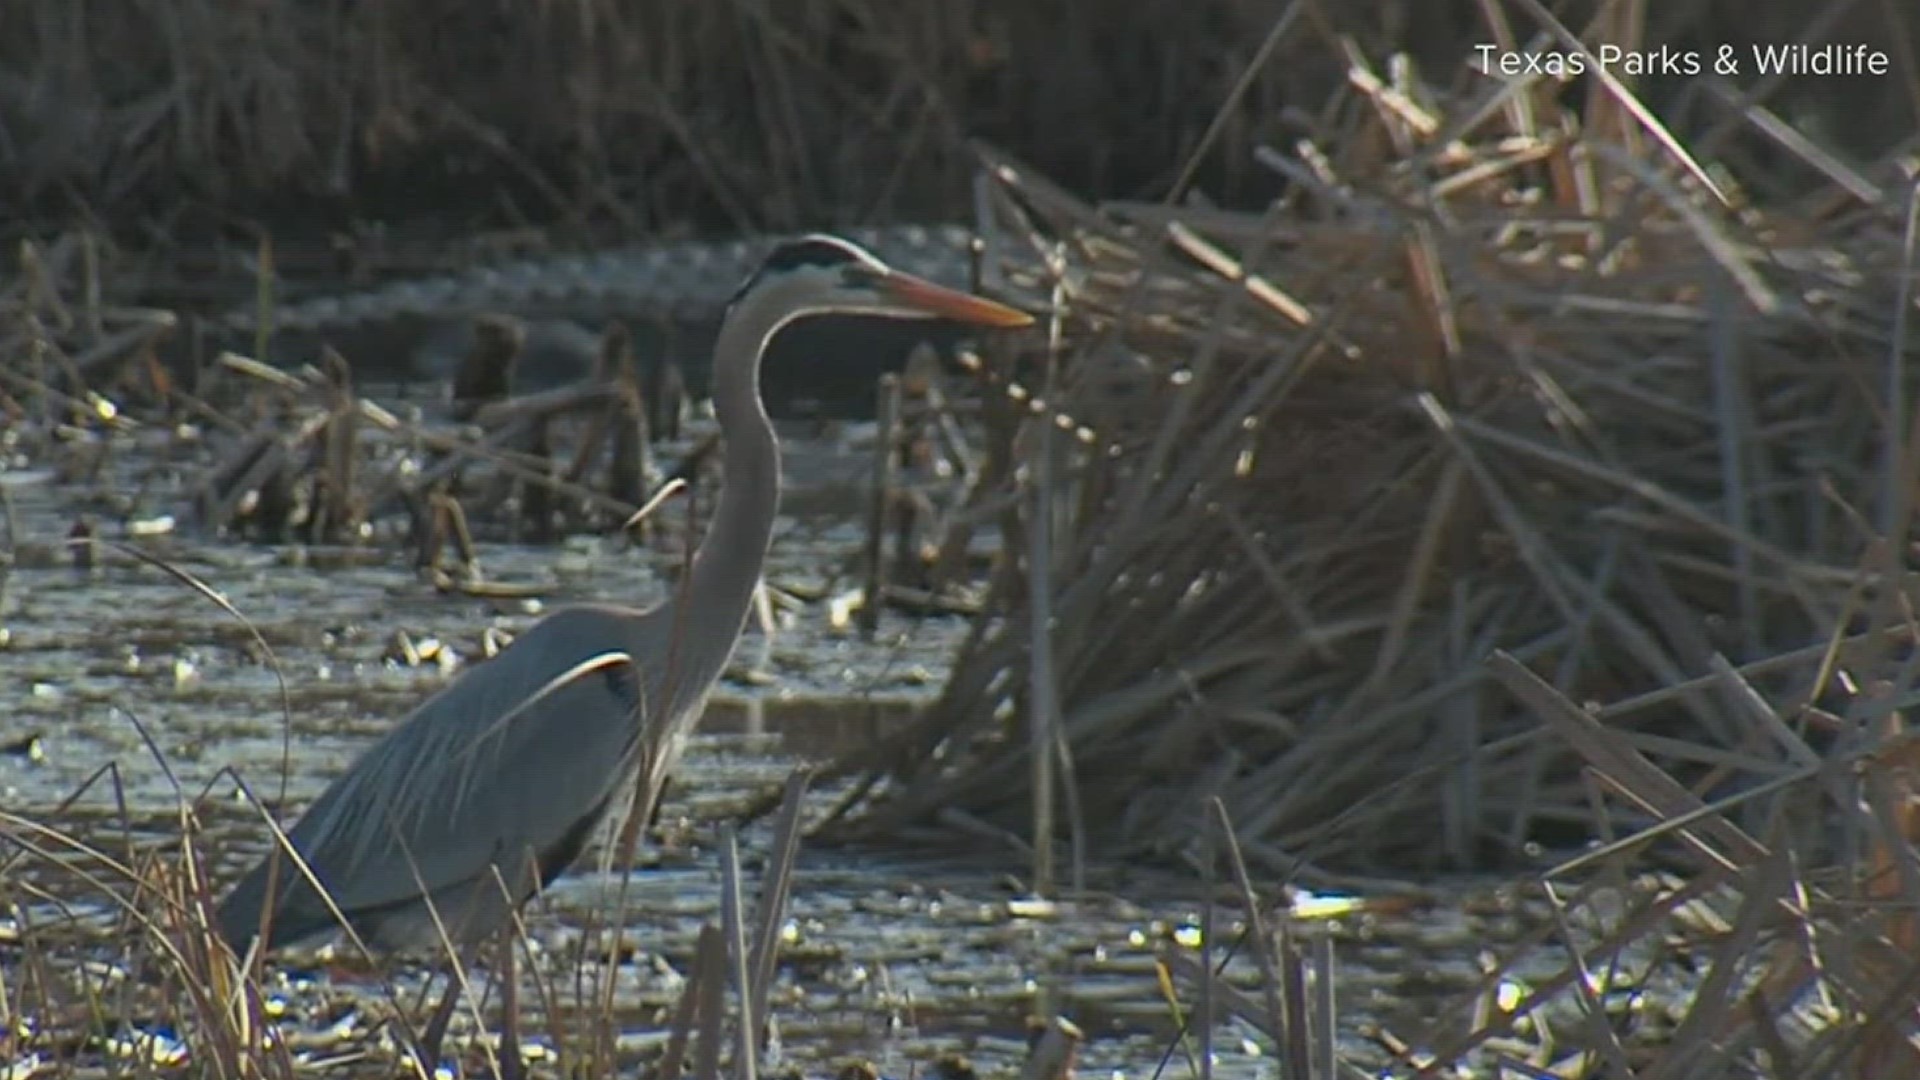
726,569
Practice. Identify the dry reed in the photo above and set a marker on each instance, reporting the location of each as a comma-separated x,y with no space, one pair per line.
113,962
1491,375
649,115
1493,380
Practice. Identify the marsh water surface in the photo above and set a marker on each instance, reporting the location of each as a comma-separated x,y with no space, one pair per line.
897,956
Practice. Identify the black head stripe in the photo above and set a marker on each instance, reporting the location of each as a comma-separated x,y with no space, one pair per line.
817,251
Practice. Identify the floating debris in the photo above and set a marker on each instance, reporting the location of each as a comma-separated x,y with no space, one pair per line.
32,746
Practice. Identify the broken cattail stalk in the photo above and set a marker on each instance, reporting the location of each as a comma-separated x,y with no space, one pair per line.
275,498
334,502
578,397
536,499
712,974
80,546
264,491
244,493
733,916
254,369
1053,1050
484,451
1231,1000
776,889
952,437
223,488
688,1012
913,515
427,530
918,602
963,516
101,364
456,519
485,375
666,398
880,509
1044,719
446,471
629,452
593,442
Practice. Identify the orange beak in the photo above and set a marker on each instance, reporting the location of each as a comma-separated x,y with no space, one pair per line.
950,303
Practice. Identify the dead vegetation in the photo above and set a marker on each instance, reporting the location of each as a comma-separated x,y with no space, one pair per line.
304,455
1519,482
1492,376
652,115
113,959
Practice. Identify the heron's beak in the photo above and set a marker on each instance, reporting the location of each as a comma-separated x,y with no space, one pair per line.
924,295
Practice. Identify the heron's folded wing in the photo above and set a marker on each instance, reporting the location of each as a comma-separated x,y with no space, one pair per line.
501,765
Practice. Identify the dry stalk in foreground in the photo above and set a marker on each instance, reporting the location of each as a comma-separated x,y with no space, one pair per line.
1766,956
121,965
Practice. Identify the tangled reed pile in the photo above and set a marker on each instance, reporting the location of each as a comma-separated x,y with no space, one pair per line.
1494,376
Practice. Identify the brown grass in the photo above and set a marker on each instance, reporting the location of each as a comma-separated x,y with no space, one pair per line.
114,962
1526,474
644,115
1494,376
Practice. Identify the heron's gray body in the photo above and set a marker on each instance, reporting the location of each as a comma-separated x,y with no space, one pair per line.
449,831
513,764
495,784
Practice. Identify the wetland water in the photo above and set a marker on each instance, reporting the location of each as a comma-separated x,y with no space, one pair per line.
893,957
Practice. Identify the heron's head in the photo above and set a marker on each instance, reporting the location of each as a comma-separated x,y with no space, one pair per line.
825,275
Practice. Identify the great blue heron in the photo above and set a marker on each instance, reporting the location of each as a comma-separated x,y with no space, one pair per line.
512,767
